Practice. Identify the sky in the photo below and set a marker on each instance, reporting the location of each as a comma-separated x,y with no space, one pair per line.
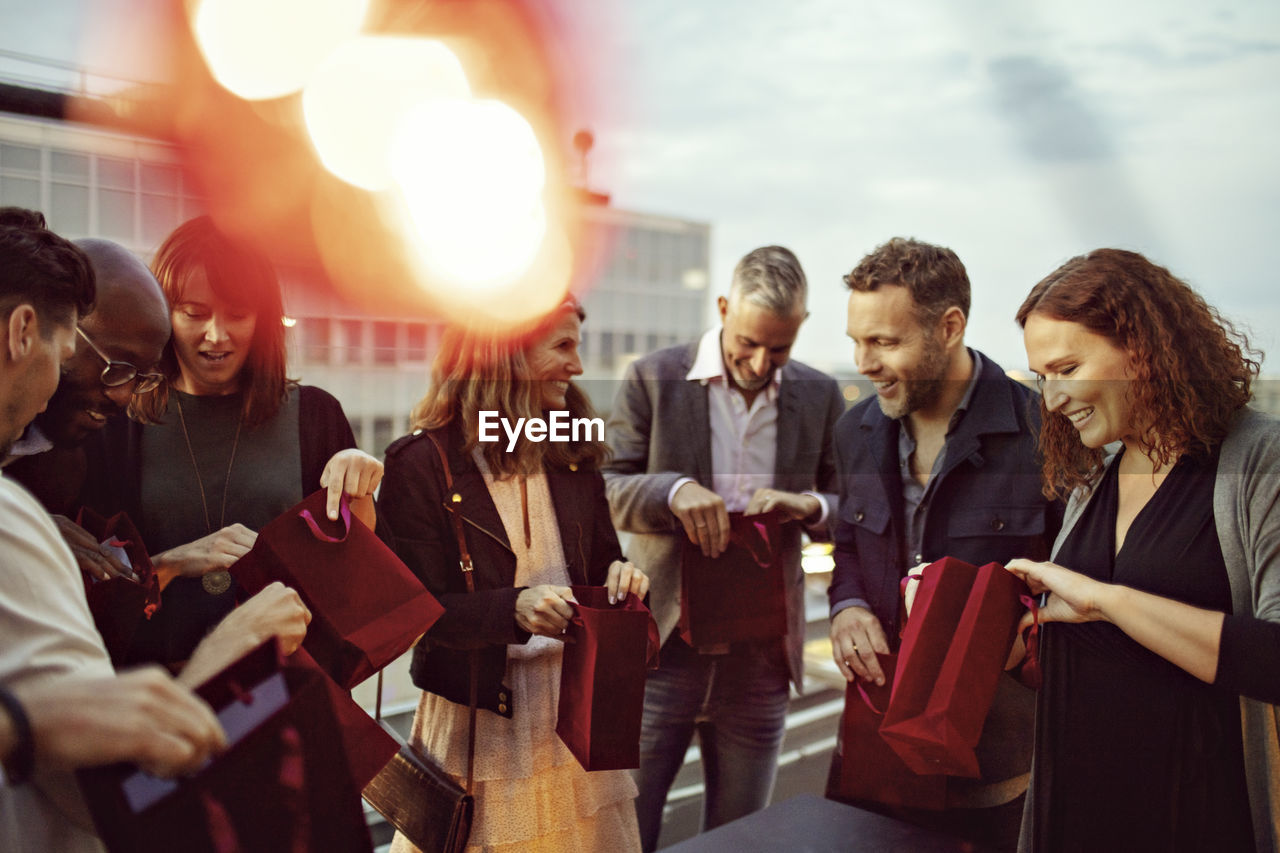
1017,133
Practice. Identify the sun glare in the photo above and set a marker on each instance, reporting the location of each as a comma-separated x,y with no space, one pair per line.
363,91
471,176
261,50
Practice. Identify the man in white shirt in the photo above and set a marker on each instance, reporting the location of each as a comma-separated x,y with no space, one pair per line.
727,424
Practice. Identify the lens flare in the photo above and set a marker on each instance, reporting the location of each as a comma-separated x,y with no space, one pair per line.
363,90
471,174
261,50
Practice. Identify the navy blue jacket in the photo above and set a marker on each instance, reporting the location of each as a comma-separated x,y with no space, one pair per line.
987,505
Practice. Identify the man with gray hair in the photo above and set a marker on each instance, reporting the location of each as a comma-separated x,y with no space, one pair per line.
727,424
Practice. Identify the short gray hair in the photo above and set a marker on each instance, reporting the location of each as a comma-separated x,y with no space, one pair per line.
771,277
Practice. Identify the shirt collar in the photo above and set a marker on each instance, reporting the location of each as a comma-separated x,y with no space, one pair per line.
33,441
708,364
968,391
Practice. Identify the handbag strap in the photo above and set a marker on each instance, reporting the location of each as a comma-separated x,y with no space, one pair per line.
468,569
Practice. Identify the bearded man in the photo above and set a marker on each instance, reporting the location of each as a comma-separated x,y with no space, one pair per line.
941,463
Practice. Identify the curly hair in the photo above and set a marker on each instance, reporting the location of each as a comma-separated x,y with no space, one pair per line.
1192,368
242,276
40,268
933,275
475,370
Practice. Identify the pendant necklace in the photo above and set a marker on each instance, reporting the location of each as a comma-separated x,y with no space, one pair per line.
217,582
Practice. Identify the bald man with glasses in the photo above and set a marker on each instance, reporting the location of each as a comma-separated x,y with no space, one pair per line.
118,348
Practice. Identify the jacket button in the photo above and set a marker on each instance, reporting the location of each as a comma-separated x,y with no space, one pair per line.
859,515
573,466
456,498
502,697
502,707
997,524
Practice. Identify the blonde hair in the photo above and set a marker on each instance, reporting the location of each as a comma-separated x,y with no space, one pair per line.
476,371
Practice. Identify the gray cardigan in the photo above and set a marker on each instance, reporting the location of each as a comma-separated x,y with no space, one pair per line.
1246,510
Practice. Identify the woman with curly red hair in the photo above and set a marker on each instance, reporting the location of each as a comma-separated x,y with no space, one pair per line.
1155,728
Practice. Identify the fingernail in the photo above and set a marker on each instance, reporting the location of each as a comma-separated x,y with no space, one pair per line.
333,515
612,600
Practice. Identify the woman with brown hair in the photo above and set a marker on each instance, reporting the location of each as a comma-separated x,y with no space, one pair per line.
225,443
535,521
1154,728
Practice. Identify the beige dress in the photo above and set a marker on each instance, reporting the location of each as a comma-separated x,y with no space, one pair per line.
531,793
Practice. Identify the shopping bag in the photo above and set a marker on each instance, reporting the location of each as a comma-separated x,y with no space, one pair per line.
740,595
367,607
120,604
608,650
869,769
954,648
368,746
282,785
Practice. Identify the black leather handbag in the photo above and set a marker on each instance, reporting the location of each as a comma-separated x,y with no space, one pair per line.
416,796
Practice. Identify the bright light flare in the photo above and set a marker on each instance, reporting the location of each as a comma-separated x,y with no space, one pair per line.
363,91
471,175
261,49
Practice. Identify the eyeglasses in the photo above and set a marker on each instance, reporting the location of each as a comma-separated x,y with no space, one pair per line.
118,373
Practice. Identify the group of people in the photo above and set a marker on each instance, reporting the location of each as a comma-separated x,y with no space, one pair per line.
1135,492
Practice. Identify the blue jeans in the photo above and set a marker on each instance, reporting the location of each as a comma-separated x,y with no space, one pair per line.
738,704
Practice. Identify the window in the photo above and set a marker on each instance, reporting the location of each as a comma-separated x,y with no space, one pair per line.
20,192
606,349
384,343
383,433
115,214
415,349
19,157
352,341
69,210
316,340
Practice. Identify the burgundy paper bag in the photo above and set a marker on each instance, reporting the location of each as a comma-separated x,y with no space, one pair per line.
953,651
869,768
367,607
740,595
368,746
608,649
120,604
282,785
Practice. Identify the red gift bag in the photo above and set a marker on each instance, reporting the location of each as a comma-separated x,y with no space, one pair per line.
367,607
282,785
740,595
869,768
953,650
608,648
368,746
120,604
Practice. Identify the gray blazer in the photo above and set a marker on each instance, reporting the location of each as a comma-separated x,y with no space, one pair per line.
659,431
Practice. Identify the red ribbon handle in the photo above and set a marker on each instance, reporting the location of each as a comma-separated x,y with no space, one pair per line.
344,515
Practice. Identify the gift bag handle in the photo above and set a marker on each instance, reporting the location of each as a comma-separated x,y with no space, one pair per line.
344,515
746,540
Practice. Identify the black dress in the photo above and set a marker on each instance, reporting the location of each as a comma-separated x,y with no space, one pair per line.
1132,752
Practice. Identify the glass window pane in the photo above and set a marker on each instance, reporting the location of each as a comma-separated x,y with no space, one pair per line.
20,192
19,157
382,435
69,210
157,178
159,217
353,341
416,342
72,166
116,174
115,214
384,343
315,339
